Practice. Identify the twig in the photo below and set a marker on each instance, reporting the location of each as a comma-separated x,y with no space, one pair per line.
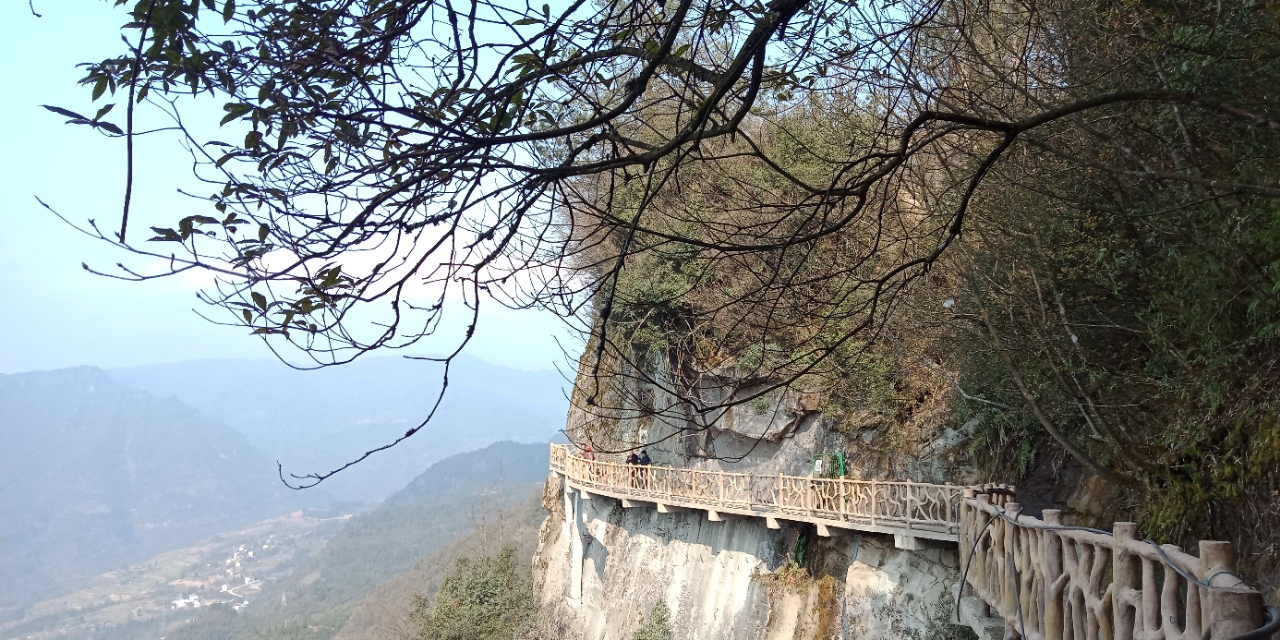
128,144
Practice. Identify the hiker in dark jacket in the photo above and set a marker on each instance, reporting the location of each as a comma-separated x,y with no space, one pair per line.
643,473
633,474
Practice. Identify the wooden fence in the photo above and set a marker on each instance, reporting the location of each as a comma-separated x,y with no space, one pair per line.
1052,582
1047,581
908,508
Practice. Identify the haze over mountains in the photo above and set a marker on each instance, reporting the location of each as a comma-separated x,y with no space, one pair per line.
317,420
442,503
95,474
100,469
358,581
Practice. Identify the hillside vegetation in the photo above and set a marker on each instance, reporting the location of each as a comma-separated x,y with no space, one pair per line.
439,507
1097,298
393,610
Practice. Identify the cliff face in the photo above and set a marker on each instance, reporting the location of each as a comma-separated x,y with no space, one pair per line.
732,580
602,569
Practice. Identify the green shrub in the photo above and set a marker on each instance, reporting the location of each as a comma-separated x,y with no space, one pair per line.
658,626
488,598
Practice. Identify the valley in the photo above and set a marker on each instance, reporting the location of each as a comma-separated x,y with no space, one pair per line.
226,571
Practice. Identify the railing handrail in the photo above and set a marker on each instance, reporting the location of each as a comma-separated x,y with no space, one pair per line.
1051,581
907,507
567,448
1047,580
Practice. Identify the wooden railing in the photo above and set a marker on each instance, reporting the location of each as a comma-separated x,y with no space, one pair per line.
1045,580
909,508
1052,582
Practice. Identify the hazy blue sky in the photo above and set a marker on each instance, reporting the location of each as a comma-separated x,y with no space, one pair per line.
52,313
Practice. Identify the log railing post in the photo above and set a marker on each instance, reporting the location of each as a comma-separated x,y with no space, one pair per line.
910,514
1126,575
1054,583
1233,608
946,509
1009,579
873,504
843,498
978,572
966,531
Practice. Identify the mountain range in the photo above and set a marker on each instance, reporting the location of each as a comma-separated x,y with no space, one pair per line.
95,474
317,420
99,469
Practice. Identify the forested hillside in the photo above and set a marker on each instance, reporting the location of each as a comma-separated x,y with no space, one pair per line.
1051,228
387,611
453,496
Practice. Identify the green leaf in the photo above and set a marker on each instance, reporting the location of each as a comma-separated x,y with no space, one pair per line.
165,235
263,230
103,111
100,87
525,21
63,112
228,11
234,110
259,300
109,127
248,317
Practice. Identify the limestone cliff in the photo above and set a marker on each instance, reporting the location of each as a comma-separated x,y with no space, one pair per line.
735,579
602,569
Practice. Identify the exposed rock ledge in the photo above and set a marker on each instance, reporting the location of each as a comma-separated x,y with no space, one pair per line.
729,580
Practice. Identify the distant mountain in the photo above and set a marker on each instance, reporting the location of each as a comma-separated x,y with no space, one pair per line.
316,420
433,511
95,474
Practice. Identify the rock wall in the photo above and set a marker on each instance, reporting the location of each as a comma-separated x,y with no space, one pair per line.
731,580
601,569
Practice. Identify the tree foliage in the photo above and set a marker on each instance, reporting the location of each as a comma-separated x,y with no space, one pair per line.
486,598
657,626
1064,209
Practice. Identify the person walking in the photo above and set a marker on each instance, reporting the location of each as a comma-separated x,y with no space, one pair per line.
633,473
642,462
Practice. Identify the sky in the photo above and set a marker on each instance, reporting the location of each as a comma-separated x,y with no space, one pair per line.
53,314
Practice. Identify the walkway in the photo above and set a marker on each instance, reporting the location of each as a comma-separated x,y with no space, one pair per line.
906,509
1023,577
